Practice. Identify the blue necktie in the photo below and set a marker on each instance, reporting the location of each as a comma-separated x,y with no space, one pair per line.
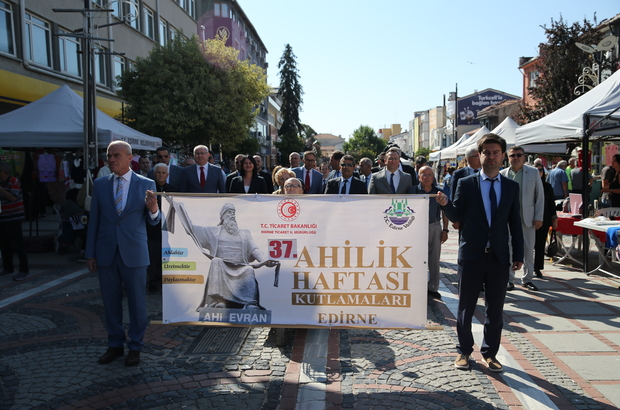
493,198
118,196
392,187
343,190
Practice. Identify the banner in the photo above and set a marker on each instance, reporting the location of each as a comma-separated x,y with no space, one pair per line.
307,260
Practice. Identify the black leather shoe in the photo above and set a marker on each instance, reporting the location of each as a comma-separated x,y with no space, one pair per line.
530,286
133,358
511,286
434,295
111,354
538,274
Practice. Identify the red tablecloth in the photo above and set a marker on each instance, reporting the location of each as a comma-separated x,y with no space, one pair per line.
566,227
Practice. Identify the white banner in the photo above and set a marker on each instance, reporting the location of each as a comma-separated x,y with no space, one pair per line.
308,260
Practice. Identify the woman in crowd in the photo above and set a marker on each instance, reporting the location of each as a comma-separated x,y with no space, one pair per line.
274,180
550,219
249,182
281,176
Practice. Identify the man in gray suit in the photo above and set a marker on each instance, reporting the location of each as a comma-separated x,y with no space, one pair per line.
532,209
390,180
203,177
310,177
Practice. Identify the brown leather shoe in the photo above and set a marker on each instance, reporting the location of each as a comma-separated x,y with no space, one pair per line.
133,358
111,354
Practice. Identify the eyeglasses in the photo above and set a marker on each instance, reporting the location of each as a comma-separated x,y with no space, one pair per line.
347,165
519,155
292,186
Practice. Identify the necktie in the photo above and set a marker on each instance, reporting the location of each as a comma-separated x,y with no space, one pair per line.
392,187
118,195
202,177
493,198
343,190
307,183
367,181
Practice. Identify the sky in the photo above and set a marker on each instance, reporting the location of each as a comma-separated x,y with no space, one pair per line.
375,63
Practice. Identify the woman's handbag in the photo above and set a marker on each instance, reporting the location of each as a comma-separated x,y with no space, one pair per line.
552,248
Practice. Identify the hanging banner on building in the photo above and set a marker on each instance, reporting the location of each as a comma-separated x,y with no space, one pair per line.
308,260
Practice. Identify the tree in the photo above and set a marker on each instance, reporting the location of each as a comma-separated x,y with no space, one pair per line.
560,63
364,143
179,96
291,94
422,151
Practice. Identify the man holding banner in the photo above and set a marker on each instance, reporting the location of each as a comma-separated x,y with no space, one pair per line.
490,216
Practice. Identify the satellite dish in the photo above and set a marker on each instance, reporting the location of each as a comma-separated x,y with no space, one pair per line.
607,43
586,48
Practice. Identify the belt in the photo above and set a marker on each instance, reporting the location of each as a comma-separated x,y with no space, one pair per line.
488,250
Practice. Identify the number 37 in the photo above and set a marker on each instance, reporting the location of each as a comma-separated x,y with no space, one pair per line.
283,249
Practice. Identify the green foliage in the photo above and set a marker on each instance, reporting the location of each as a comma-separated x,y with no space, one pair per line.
179,96
290,92
247,146
422,151
560,63
364,143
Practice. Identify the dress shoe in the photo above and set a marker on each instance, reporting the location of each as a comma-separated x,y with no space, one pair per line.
530,286
538,274
5,273
434,295
133,358
511,286
462,361
493,364
111,354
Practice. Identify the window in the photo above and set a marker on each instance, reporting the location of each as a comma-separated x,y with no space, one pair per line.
172,33
162,32
131,13
117,7
69,55
119,68
7,42
101,71
182,3
38,44
191,4
149,22
217,9
533,78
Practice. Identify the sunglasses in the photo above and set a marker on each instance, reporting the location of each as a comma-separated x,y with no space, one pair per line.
515,155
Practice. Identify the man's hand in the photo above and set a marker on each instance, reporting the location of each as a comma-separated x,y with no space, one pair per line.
91,264
537,224
516,265
151,201
444,236
441,198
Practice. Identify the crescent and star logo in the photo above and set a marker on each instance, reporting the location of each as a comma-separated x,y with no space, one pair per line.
288,209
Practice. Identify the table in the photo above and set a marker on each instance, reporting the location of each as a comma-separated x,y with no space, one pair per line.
598,232
566,226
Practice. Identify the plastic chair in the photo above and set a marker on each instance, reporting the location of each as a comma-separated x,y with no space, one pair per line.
607,212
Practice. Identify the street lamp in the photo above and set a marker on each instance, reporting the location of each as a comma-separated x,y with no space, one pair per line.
593,74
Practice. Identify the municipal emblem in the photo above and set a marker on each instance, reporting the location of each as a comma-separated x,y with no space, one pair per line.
399,216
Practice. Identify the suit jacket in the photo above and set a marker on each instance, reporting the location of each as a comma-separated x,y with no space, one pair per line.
229,179
411,171
317,180
107,229
468,209
214,183
532,195
458,174
268,180
174,177
257,186
357,186
380,183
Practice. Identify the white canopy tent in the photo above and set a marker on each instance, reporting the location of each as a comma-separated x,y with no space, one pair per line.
472,141
598,107
450,152
57,121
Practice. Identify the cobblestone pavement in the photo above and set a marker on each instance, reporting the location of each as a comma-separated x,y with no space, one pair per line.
563,341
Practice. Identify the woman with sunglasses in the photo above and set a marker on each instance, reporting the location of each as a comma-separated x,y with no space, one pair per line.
550,219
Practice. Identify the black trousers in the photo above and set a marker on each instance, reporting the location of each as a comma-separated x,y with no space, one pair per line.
494,275
12,241
539,247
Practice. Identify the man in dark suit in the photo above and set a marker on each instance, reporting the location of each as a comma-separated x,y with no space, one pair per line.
390,180
365,167
488,209
202,177
174,171
380,162
334,162
264,173
473,165
347,184
237,172
116,247
310,177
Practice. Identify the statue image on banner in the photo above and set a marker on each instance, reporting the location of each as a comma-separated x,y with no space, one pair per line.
231,282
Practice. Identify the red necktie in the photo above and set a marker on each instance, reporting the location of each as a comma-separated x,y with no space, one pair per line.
202,177
307,181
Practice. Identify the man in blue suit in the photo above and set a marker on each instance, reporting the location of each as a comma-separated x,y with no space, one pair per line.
311,179
472,156
487,206
203,177
117,248
174,171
